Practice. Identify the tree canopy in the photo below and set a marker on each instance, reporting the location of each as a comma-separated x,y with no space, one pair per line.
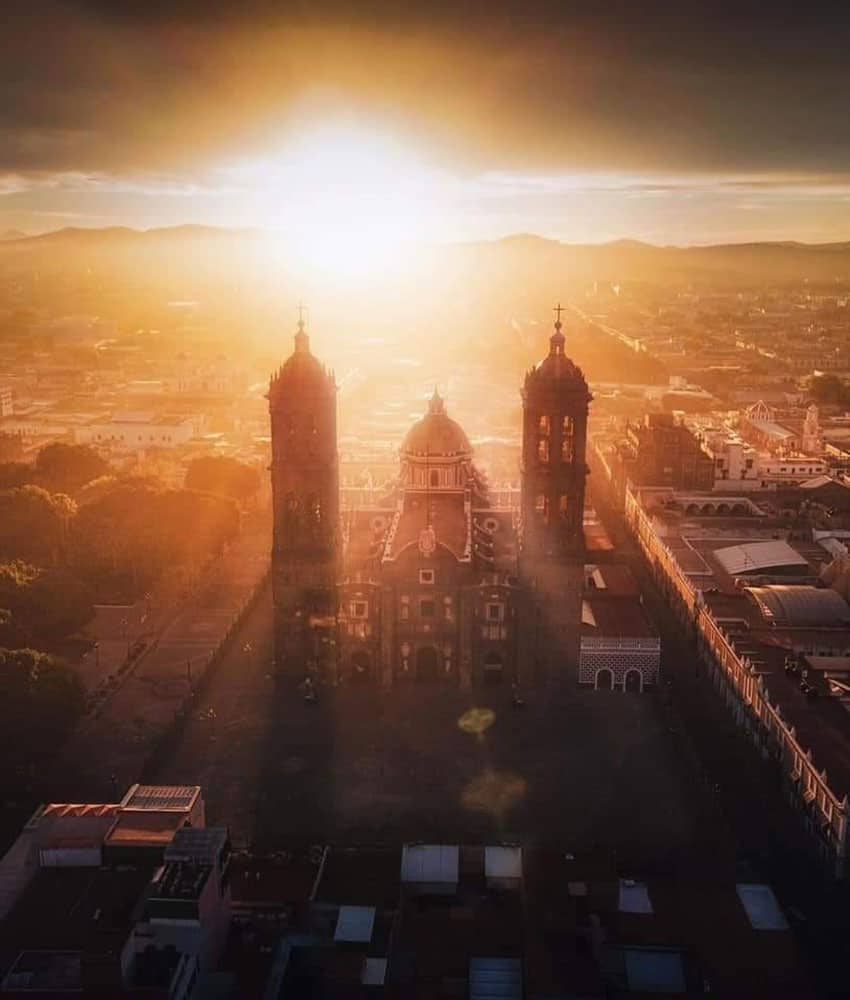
130,535
43,604
42,701
830,389
33,523
223,476
67,467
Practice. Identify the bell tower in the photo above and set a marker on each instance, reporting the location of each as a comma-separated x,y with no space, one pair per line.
305,498
555,401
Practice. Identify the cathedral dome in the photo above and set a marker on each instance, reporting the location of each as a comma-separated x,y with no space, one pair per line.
436,434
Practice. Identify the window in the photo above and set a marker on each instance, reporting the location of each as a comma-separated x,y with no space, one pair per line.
427,609
426,576
541,506
563,505
435,478
495,612
543,425
567,434
358,609
448,609
404,610
543,449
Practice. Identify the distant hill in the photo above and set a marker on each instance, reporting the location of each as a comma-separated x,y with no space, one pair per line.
12,234
534,262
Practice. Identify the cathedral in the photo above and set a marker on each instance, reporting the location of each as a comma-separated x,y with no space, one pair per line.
433,583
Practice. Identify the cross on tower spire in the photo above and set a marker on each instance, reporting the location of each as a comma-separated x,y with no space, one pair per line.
556,341
302,341
557,311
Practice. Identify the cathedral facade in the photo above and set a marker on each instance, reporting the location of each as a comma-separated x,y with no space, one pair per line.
433,583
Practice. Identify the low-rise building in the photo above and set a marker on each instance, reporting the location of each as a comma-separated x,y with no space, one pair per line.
136,431
749,588
620,648
106,898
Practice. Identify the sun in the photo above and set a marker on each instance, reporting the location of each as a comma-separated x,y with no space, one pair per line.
348,203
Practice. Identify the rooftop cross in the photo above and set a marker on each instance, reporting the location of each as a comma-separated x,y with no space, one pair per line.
558,310
301,313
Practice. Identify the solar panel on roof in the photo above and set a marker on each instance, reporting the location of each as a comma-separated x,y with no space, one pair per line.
162,797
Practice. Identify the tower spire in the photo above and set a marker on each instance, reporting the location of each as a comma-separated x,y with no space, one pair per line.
302,341
557,340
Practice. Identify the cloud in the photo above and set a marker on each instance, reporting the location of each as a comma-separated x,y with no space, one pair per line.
111,87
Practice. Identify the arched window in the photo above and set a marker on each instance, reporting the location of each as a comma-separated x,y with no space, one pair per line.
543,425
567,439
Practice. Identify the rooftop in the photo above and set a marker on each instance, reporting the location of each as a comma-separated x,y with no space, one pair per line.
615,616
755,557
161,797
86,910
144,829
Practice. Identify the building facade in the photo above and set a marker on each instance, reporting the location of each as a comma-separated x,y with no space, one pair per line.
434,580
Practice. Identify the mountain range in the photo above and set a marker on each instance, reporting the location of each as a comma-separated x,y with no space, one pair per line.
518,257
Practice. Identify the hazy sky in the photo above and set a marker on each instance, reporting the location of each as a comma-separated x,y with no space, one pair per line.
673,122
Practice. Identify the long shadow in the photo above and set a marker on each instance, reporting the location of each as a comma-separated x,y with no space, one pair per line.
296,786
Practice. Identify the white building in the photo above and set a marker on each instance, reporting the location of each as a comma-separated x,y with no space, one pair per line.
136,431
739,467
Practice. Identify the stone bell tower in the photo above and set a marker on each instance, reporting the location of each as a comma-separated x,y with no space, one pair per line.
555,400
305,496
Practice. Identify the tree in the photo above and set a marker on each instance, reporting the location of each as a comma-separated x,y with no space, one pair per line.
33,523
128,537
14,474
43,604
223,476
67,467
830,389
42,701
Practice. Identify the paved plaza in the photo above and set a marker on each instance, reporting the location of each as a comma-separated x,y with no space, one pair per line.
573,767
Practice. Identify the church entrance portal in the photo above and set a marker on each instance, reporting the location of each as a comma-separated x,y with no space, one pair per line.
427,664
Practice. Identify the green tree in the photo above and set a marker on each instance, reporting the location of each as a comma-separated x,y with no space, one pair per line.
34,523
830,389
13,474
43,604
42,701
67,467
223,476
128,537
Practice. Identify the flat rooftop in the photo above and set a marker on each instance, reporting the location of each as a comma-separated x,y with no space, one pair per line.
85,910
614,616
144,829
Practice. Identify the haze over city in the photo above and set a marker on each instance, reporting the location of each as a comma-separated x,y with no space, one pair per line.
424,499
